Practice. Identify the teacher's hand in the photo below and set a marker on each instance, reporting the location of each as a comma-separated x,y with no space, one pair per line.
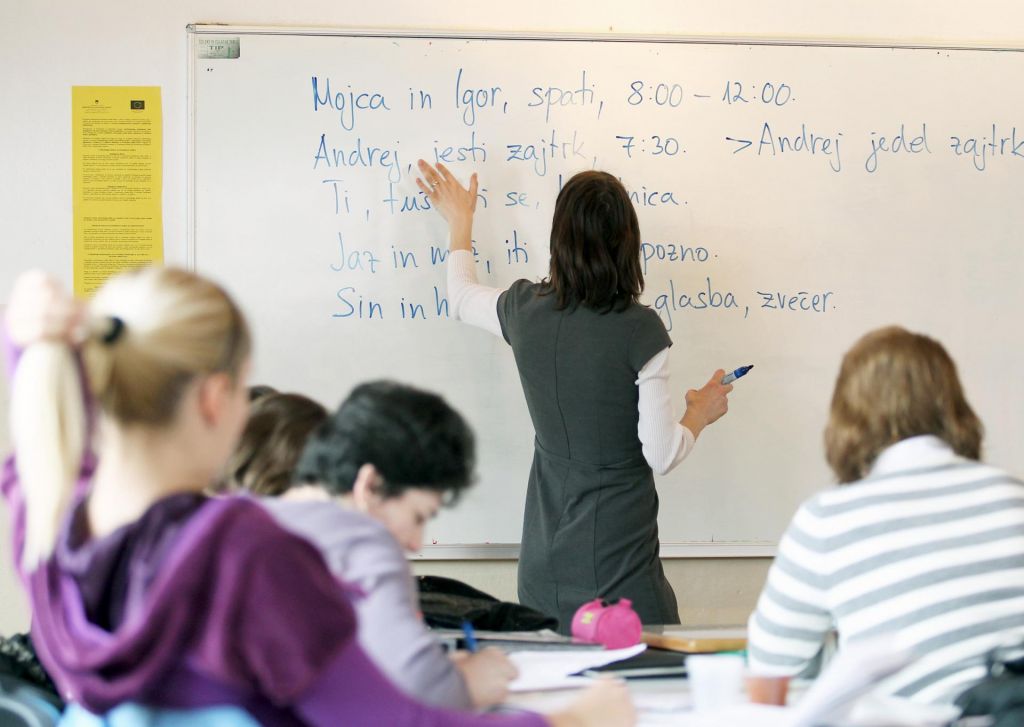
707,404
455,202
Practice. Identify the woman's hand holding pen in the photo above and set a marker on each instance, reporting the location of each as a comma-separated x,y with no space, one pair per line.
487,674
707,404
455,202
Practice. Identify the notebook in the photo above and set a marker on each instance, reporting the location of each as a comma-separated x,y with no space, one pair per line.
647,664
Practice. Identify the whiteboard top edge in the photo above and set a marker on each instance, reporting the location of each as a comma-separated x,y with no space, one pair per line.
413,33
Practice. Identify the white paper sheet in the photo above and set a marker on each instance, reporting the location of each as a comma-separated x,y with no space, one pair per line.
551,669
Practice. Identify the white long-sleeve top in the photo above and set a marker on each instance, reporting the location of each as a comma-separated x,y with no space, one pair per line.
665,442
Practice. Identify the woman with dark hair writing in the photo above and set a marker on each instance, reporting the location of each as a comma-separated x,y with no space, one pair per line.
593,363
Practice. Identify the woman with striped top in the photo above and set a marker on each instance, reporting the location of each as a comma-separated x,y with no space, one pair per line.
925,543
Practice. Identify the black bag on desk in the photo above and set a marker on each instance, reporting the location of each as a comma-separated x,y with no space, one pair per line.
28,697
18,660
446,603
1001,694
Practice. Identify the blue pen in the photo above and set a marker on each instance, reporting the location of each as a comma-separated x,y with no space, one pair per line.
741,371
467,629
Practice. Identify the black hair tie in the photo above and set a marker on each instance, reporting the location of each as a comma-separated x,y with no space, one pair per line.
115,331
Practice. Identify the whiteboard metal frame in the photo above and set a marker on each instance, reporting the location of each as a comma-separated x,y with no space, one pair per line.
510,551
216,29
489,551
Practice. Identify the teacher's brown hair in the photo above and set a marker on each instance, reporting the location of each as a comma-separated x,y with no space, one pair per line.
595,245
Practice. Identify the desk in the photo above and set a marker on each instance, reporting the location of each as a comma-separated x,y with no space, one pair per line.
659,702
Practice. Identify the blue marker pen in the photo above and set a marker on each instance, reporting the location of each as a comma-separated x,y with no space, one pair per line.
741,371
467,629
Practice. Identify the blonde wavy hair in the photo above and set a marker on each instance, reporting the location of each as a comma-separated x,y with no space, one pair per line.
150,332
894,384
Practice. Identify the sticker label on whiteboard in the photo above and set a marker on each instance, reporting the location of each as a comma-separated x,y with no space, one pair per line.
218,48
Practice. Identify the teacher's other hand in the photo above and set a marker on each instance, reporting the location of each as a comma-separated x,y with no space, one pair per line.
707,404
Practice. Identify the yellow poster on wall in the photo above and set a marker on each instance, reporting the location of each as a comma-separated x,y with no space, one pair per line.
117,153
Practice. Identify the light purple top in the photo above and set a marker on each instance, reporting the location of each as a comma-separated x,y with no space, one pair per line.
361,552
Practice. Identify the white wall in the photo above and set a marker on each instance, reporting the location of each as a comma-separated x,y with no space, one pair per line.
46,46
13,604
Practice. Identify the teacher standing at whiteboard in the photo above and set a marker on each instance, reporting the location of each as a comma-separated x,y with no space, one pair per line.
593,363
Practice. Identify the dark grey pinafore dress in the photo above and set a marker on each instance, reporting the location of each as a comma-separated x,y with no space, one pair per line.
591,523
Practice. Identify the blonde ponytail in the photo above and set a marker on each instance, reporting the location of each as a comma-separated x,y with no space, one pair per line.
48,429
152,331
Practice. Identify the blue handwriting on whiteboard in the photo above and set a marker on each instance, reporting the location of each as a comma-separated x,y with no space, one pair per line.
981,149
354,306
554,96
647,198
775,144
553,148
402,259
341,198
802,143
470,99
438,255
397,202
899,143
672,253
355,259
780,300
346,103
440,304
515,251
473,152
516,199
707,298
359,155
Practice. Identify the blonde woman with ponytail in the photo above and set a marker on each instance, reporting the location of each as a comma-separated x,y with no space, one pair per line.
148,596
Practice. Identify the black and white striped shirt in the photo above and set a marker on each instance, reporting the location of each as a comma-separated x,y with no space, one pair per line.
929,547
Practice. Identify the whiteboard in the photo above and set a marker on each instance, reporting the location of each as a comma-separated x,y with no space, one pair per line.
790,199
